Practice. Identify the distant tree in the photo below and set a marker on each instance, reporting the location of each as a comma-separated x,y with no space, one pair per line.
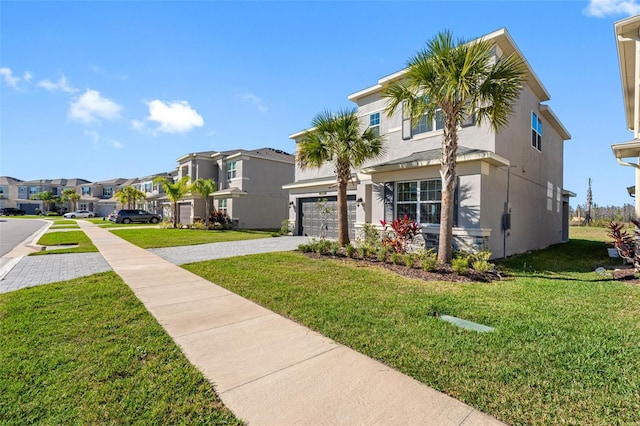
129,195
204,188
588,218
174,191
71,197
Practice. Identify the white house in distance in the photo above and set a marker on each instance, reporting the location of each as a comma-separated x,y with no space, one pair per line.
509,197
627,33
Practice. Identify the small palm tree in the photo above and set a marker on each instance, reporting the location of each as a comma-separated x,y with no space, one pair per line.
71,197
461,79
340,139
174,191
204,188
129,195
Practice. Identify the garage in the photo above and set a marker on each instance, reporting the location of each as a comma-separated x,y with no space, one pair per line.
29,208
184,213
318,216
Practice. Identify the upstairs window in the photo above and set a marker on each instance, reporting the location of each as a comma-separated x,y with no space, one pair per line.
536,132
424,125
107,191
374,123
86,191
147,187
33,190
232,169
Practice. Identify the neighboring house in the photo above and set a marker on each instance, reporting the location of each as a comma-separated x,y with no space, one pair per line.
155,196
249,185
509,197
98,197
9,191
26,190
627,33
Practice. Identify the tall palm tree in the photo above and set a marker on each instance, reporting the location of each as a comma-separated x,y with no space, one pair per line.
204,188
339,138
462,79
174,191
129,195
71,197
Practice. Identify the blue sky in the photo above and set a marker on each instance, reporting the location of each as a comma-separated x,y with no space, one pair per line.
99,90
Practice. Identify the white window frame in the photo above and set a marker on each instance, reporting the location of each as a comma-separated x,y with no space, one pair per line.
374,122
107,191
223,205
418,201
232,170
437,124
536,131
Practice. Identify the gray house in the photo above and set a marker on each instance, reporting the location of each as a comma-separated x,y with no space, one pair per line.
249,186
509,196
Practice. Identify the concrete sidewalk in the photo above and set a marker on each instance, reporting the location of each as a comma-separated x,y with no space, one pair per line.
267,369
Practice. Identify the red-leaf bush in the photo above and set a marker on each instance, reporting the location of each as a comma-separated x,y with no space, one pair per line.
401,234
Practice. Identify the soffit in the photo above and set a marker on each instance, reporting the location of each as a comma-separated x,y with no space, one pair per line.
629,29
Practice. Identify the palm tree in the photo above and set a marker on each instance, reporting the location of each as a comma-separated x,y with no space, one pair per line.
174,191
588,219
129,195
47,199
340,139
70,196
204,188
460,79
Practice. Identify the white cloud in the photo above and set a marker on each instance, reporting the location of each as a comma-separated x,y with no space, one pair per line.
602,8
62,84
256,101
90,107
117,145
12,80
138,125
174,117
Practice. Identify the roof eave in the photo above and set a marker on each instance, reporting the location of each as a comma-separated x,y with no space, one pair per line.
625,30
486,156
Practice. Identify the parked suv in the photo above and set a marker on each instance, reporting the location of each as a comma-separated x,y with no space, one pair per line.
128,216
10,211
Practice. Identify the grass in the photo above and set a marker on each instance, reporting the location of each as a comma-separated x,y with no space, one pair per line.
565,349
86,351
154,238
66,238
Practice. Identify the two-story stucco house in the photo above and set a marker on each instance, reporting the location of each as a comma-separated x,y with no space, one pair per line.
249,185
26,190
627,32
509,196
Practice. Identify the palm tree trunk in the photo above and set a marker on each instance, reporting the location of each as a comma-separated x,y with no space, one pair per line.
175,214
448,175
343,218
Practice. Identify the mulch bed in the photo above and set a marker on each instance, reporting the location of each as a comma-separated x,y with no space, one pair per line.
442,273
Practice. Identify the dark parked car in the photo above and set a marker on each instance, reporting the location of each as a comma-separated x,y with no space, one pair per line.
128,216
10,211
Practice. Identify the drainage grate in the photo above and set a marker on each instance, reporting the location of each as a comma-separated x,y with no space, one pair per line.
466,324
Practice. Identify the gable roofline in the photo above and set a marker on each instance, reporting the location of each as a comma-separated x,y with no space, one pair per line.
626,31
551,117
502,39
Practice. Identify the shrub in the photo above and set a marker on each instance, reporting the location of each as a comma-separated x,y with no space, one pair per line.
218,216
350,250
371,236
199,225
409,260
460,264
382,253
401,234
322,246
305,248
334,247
364,251
397,258
624,243
428,259
284,227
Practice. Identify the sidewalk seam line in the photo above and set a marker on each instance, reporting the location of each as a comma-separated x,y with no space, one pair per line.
338,345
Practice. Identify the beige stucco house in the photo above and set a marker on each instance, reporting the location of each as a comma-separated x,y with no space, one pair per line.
249,185
509,197
627,32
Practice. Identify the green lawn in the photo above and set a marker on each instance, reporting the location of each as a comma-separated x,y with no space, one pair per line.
66,238
154,237
566,342
86,351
